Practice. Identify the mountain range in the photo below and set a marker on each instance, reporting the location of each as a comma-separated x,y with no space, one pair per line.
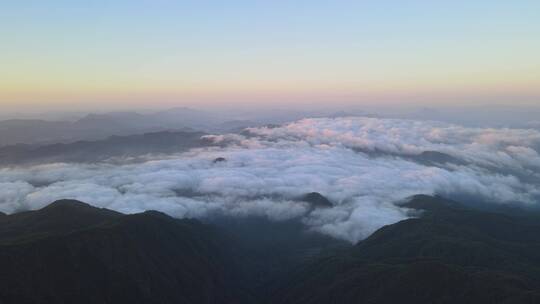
448,252
100,126
128,146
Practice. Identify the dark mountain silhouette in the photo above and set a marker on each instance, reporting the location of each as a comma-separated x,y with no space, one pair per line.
428,158
219,160
435,158
59,218
316,200
269,250
71,252
80,254
451,254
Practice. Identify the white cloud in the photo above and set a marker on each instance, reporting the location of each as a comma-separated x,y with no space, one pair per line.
266,172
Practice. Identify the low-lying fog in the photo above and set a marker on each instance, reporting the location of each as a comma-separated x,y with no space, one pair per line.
363,166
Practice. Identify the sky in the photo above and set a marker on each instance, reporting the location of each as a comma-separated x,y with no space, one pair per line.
120,54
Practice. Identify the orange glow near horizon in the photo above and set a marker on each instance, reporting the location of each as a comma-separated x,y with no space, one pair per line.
143,54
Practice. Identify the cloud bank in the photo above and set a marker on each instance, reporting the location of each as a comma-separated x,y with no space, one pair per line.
362,165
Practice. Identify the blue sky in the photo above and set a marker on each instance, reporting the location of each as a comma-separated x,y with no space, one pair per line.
136,52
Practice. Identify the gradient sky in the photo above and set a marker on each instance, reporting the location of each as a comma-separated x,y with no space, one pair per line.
145,53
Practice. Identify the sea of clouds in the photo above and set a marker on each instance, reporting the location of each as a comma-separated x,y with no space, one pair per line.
364,166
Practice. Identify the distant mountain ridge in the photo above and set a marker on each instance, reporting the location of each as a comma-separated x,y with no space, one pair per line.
93,126
101,126
165,142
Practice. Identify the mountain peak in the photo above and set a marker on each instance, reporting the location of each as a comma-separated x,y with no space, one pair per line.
73,208
67,203
219,160
60,217
317,200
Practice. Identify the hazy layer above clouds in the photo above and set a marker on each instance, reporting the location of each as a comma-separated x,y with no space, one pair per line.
58,127
362,165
